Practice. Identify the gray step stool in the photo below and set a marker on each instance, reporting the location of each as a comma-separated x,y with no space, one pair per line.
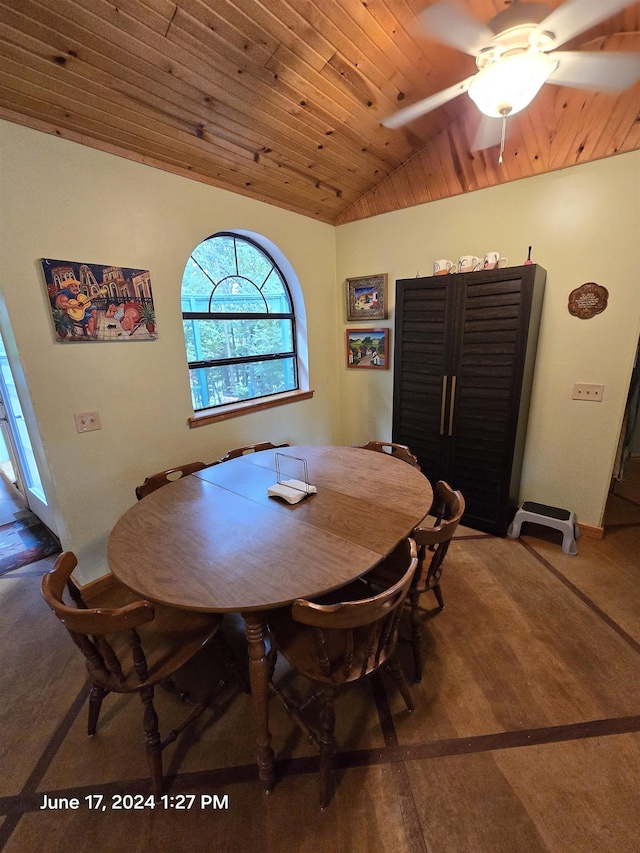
549,516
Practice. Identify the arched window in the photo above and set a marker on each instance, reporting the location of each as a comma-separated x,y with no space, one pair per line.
239,323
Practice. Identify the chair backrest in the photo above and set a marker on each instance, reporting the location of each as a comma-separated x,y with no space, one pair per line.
88,627
162,478
400,451
448,507
251,448
359,633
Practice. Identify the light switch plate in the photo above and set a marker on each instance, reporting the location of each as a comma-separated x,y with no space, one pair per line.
87,421
584,391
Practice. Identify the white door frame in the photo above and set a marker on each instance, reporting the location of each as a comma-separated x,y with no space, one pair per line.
17,436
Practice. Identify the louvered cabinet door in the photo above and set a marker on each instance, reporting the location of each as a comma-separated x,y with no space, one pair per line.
464,358
496,337
422,366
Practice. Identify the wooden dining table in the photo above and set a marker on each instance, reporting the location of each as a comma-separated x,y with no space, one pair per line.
215,541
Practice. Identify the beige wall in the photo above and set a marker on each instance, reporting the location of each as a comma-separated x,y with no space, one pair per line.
584,225
66,201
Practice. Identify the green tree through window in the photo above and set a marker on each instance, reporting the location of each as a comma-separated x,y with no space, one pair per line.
239,324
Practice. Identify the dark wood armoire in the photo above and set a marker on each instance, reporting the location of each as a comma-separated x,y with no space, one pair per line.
465,348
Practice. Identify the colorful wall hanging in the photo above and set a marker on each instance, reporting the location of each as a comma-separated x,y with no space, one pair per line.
92,302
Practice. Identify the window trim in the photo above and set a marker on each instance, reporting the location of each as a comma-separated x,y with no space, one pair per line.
245,407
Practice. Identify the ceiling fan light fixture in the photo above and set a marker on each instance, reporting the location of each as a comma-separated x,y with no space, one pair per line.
509,83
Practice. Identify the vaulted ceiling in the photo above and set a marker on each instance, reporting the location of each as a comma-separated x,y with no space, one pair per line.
281,100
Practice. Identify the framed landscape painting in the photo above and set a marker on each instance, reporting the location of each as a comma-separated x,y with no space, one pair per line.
368,348
367,297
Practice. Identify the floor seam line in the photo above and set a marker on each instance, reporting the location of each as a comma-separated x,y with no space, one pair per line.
397,754
42,765
604,617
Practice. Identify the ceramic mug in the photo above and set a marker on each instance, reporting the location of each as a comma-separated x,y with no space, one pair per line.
469,263
493,260
443,267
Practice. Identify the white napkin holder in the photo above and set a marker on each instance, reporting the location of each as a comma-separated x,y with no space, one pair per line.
291,490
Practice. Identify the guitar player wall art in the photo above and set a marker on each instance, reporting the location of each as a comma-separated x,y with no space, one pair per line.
92,302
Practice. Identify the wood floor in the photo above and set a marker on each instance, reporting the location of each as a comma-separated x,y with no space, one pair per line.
525,737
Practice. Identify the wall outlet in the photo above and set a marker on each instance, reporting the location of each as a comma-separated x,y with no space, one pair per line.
583,391
87,421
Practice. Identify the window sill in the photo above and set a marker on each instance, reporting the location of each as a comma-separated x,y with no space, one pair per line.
234,410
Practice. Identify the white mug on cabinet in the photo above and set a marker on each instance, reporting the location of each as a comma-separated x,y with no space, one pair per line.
443,267
492,260
469,263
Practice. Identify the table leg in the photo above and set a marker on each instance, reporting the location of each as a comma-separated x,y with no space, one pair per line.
256,629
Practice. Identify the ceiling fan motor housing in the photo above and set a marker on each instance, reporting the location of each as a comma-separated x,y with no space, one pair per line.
519,14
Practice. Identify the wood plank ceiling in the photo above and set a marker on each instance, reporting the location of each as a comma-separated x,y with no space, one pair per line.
281,100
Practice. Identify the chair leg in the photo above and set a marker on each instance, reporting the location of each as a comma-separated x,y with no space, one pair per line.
96,696
195,712
393,665
327,744
296,717
152,740
438,594
416,635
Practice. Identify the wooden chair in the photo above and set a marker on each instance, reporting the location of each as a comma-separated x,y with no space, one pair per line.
130,646
433,543
251,448
341,638
162,478
400,451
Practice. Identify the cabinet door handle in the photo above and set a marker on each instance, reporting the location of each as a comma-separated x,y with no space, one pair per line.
452,403
444,403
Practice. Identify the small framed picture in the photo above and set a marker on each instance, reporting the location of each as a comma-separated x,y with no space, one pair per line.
368,348
367,297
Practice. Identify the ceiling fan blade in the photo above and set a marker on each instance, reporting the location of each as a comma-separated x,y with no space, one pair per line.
602,72
427,105
449,22
575,16
488,134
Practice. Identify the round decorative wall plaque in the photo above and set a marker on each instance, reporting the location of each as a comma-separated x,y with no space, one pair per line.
588,300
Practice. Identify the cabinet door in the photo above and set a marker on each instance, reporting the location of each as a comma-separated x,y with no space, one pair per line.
422,367
490,342
464,357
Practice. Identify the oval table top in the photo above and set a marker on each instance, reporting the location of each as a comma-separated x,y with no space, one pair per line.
215,541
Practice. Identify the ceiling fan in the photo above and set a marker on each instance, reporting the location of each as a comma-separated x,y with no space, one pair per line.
516,53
